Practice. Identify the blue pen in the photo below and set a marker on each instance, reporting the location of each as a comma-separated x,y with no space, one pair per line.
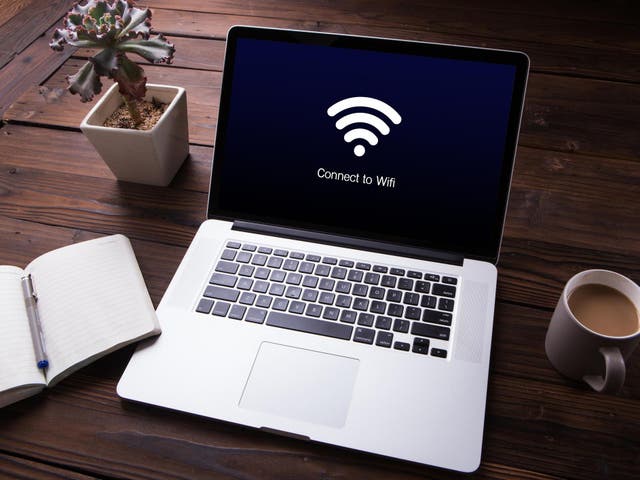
30,300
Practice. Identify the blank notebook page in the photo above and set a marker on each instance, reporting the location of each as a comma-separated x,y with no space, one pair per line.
92,298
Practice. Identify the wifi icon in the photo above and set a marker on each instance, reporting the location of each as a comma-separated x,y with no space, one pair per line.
361,135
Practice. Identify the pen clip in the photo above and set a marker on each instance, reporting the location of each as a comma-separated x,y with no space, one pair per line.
30,290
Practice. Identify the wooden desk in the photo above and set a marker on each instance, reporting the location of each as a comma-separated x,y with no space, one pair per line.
574,205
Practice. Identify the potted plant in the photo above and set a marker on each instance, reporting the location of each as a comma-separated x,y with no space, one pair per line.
140,130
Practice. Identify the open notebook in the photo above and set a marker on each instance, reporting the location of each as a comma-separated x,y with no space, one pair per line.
91,299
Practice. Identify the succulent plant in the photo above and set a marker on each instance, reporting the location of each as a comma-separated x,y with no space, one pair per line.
116,27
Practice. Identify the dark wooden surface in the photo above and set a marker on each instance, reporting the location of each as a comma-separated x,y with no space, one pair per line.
575,204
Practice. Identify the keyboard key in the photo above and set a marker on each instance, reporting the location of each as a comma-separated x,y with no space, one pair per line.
348,316
346,263
401,326
445,304
423,287
310,281
331,313
322,270
414,274
431,331
237,312
204,305
326,284
343,287
221,309
264,301
402,346
380,269
276,289
432,277
297,255
397,271
293,279
290,265
297,307
274,262
330,260
372,278
377,306
260,286
228,254
395,310
339,273
388,281
364,335
234,245
440,318
256,315
428,301
220,293
365,319
227,267
327,298
245,284
277,276
394,296
444,290
265,250
412,313
355,276
411,298
246,270
438,352
306,267
343,301
363,266
249,247
309,325
281,253
262,273
259,260
223,280
247,298
449,281
405,284
384,339
243,257
421,345
361,304
310,295
293,292
313,258
383,323
313,310
280,304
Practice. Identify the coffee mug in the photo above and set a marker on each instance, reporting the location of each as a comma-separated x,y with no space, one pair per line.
594,328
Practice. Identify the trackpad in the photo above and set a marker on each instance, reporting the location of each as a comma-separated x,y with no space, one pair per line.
303,384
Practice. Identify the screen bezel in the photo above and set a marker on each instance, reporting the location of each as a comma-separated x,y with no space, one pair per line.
517,59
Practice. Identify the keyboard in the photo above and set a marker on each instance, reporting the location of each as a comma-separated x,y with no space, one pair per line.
335,297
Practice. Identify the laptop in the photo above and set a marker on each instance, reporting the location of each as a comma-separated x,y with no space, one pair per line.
342,288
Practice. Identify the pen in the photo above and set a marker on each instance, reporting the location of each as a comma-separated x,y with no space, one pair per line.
37,336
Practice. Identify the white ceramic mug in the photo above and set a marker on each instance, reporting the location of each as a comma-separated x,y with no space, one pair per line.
580,353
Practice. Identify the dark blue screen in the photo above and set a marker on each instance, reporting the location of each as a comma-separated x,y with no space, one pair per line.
434,180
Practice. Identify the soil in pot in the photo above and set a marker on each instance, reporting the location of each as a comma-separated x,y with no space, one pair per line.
149,111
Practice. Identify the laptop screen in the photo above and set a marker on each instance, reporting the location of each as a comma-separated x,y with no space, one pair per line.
386,140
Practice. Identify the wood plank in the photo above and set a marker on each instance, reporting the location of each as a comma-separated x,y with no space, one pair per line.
15,467
11,8
564,114
517,25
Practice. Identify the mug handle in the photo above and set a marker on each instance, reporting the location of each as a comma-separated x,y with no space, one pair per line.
614,372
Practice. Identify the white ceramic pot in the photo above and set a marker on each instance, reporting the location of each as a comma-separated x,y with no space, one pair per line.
143,156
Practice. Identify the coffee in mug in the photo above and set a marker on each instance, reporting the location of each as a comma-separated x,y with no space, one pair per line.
594,328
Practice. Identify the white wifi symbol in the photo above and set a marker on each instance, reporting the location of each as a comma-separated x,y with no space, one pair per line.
359,134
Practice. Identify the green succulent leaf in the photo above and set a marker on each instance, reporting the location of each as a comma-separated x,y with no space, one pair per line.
105,62
155,50
136,21
132,84
86,83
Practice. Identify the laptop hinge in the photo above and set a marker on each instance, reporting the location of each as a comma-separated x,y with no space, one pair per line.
352,242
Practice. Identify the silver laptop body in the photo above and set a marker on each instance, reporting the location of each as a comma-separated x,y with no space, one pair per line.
404,374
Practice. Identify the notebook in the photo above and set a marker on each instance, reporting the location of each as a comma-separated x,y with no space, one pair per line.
342,288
